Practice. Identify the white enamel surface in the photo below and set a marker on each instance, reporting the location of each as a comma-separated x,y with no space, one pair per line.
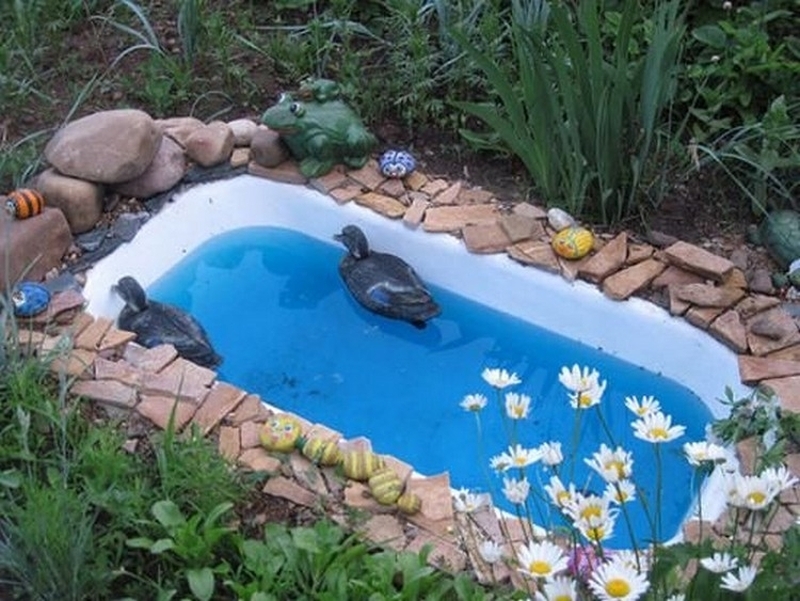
633,330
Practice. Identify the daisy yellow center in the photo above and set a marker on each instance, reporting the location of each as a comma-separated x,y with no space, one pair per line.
595,534
618,588
539,568
520,461
617,466
584,400
562,497
756,497
519,411
658,433
562,598
592,511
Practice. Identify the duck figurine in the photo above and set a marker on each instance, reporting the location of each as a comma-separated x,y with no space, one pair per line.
157,323
384,283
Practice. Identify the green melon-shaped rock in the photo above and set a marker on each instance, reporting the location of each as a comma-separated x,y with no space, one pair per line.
779,233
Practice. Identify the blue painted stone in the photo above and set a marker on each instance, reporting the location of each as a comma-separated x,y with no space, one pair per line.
29,299
397,163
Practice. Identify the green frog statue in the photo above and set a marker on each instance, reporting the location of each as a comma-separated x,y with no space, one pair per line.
319,128
779,233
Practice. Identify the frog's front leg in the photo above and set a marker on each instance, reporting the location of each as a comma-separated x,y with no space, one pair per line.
359,144
320,159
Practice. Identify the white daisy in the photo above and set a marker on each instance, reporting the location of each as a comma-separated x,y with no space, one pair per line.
584,506
559,495
648,404
560,588
719,563
467,502
699,453
596,528
517,405
541,560
551,453
656,428
516,491
522,457
779,477
577,380
620,492
490,551
751,492
587,398
741,581
617,581
612,466
473,402
677,597
501,462
500,378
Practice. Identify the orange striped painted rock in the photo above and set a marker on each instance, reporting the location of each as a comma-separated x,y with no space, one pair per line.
24,203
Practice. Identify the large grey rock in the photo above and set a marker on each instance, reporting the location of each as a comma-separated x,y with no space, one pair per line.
179,128
167,169
210,145
108,147
266,147
32,246
81,201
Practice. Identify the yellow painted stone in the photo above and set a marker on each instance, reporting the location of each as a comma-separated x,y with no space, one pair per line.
280,433
322,452
385,486
573,242
409,503
360,464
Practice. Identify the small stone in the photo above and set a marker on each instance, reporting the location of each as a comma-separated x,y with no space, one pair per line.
287,172
433,187
415,180
243,131
559,219
415,213
638,253
240,157
760,280
211,144
393,187
448,196
527,209
770,331
701,317
267,149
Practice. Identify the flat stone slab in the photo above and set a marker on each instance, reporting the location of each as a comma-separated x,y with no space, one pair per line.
280,486
536,253
729,329
485,238
754,369
380,203
222,399
607,260
705,295
694,258
624,283
159,410
106,391
788,391
453,218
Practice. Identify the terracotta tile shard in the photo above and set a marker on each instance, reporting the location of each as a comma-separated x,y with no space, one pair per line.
180,379
448,196
258,460
401,468
159,409
415,180
229,443
115,338
222,399
536,253
356,495
76,362
729,329
287,172
121,371
82,321
485,238
307,474
106,391
638,253
433,187
444,555
394,188
249,434
624,283
151,360
471,196
736,279
790,353
519,227
676,276
756,303
333,179
251,408
91,336
61,303
385,530
788,391
415,213
382,204
437,501
607,260
701,317
527,209
369,175
770,331
754,369
280,486
239,157
346,194
694,258
705,295
451,219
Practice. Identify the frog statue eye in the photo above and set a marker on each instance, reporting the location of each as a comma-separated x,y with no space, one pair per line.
297,109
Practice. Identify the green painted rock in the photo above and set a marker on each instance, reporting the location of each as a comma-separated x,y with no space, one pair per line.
779,233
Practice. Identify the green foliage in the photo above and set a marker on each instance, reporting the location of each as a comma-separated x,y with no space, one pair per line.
582,118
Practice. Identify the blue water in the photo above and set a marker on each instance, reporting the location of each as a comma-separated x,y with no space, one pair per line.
275,308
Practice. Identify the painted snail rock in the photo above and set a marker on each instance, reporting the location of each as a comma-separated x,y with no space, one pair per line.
29,299
24,203
573,242
359,464
409,503
385,486
320,451
280,433
396,163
